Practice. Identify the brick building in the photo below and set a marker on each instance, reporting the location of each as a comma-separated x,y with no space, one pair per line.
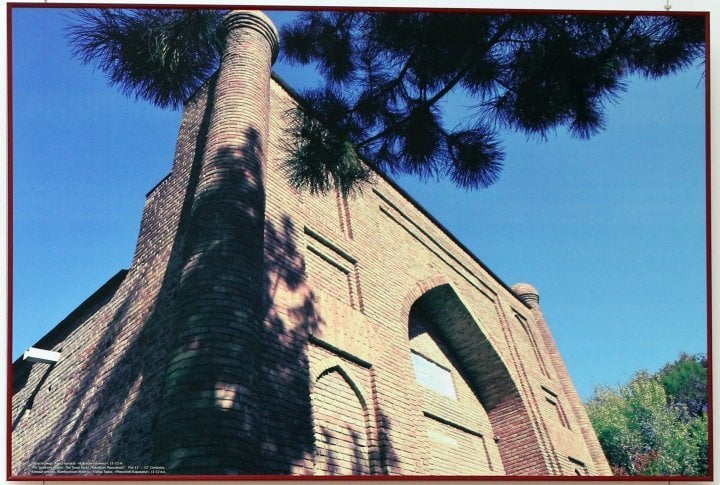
264,331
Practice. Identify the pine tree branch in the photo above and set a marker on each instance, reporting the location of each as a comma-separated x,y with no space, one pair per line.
448,86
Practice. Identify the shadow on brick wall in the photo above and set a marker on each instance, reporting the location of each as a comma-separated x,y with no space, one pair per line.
387,462
91,427
224,394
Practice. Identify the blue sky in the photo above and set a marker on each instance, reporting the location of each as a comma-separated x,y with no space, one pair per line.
610,230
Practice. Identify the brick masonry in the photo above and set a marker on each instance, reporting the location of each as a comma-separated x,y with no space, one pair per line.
264,331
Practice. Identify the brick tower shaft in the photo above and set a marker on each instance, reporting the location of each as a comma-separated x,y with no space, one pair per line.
213,365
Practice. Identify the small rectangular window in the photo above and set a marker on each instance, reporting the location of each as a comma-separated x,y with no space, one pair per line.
433,376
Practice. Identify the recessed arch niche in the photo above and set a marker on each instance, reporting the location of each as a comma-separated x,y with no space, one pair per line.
435,311
340,425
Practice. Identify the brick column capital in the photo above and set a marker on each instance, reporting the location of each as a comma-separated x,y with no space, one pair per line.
527,293
255,20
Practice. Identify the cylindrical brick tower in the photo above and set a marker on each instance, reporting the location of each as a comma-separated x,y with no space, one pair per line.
529,294
209,415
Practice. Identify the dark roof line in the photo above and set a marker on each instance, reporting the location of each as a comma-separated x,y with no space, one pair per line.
67,324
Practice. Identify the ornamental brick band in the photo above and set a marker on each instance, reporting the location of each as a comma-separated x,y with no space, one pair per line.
260,330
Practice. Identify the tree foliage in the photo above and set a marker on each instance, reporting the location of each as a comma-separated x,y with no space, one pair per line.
388,75
644,430
158,55
685,383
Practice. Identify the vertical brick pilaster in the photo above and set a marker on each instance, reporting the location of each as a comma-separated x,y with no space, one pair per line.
530,296
209,414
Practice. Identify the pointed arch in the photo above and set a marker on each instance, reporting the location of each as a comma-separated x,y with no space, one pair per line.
341,420
331,364
420,288
484,369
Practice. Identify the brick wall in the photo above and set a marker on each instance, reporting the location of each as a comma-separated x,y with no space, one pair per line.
459,434
264,331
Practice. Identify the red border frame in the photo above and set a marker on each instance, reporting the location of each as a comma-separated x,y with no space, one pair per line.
138,478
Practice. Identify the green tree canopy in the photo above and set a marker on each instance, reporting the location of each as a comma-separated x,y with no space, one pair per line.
685,384
644,430
388,74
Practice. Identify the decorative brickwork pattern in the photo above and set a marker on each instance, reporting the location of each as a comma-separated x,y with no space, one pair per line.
341,446
459,433
264,331
456,451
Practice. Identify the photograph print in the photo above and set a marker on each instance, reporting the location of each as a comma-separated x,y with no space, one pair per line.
390,242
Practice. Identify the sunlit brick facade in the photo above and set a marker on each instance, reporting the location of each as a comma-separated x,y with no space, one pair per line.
264,331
